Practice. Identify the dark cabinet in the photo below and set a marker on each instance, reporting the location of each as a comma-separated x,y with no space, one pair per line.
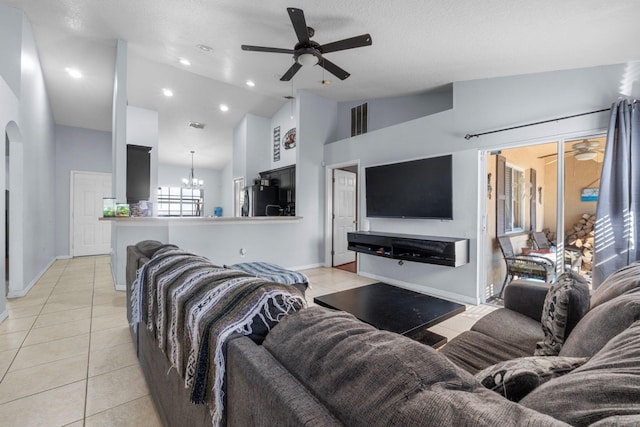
138,173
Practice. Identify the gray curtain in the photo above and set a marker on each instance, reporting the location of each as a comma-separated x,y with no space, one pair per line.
618,209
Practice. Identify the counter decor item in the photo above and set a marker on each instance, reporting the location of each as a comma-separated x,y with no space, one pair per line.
143,208
109,207
122,209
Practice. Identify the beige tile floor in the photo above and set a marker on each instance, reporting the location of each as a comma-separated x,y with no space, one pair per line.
66,356
67,359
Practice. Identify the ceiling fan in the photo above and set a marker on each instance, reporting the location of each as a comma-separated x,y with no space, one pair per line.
583,150
308,52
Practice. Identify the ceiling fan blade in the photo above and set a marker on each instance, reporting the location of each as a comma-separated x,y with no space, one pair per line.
299,24
266,49
290,72
333,68
350,43
555,154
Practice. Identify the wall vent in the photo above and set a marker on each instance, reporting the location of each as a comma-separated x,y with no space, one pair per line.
359,120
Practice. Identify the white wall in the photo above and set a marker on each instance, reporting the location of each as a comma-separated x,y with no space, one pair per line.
387,112
239,160
25,102
480,105
8,118
11,47
226,190
285,118
119,124
171,176
257,154
77,149
37,129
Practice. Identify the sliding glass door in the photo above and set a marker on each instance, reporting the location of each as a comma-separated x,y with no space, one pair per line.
549,189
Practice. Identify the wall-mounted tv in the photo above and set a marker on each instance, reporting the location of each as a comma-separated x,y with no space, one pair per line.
415,189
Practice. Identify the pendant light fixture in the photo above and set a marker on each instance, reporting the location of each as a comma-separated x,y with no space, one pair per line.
192,182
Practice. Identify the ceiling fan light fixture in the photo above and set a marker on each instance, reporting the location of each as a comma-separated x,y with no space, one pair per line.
307,59
585,155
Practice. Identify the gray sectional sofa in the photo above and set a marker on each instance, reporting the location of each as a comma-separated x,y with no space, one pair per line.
319,367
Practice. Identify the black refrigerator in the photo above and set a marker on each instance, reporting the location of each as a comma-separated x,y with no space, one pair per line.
261,200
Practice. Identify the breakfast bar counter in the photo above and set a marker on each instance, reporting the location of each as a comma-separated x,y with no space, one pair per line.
224,240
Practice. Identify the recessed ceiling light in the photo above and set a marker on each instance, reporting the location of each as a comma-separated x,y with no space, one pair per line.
167,92
73,72
250,83
224,107
185,62
204,48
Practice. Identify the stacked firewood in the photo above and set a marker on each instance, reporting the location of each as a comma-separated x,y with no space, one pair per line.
582,237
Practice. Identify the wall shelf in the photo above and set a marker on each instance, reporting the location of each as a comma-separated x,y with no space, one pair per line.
448,251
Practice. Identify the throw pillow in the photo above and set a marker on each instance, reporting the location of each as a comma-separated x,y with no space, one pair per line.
515,378
605,389
618,283
567,301
601,324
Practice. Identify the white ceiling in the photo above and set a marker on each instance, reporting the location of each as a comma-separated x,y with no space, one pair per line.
418,46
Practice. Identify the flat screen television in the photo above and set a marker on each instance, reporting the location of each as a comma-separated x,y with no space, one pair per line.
415,189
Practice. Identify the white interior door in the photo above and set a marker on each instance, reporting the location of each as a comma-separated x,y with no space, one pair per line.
88,235
344,215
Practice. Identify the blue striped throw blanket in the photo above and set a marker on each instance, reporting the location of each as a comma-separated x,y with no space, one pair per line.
271,272
192,307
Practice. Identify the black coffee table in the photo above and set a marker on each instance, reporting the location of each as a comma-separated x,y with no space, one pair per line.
395,309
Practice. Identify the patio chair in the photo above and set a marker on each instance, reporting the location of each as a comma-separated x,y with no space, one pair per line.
524,266
572,256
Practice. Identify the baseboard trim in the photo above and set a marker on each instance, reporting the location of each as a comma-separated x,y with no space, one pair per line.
306,267
64,257
423,289
26,290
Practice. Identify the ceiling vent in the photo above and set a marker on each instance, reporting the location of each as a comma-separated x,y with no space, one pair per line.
196,125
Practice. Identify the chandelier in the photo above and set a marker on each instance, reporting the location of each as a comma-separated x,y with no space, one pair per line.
192,181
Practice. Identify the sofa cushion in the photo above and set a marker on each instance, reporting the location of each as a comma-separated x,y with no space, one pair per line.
601,324
512,328
607,385
515,378
567,301
623,280
260,392
369,377
474,351
149,247
526,297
